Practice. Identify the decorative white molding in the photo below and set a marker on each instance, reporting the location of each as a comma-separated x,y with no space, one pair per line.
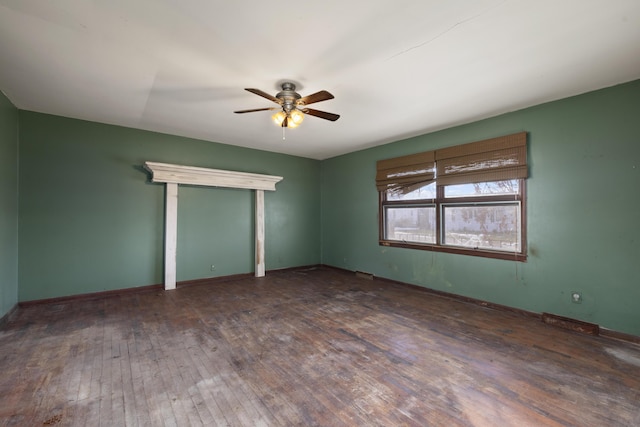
172,175
191,175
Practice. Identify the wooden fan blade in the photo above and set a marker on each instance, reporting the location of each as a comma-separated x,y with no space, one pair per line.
256,109
264,95
323,95
321,114
285,122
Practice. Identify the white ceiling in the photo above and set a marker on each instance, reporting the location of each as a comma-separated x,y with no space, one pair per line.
397,68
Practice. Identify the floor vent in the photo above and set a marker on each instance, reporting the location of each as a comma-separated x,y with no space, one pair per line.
364,275
571,324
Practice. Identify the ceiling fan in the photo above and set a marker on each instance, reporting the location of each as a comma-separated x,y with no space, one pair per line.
292,106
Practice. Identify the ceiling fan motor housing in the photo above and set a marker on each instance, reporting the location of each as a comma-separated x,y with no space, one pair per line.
288,96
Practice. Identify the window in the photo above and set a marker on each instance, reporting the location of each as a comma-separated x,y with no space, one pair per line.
466,199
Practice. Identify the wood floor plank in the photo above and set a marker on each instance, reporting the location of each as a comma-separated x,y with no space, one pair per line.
313,347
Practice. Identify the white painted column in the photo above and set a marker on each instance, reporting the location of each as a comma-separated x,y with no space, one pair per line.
260,266
171,236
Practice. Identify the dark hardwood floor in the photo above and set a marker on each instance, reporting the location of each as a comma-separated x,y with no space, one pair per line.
310,347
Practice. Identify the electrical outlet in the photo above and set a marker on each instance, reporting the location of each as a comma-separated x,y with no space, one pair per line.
576,297
213,267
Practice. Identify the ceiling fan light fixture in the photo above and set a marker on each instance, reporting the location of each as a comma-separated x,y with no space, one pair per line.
279,117
295,118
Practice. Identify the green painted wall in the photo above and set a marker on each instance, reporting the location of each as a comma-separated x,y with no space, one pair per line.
8,205
583,209
90,220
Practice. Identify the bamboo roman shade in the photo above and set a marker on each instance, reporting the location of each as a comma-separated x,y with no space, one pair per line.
495,159
407,171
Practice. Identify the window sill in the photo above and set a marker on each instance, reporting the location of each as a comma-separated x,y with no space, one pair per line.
509,256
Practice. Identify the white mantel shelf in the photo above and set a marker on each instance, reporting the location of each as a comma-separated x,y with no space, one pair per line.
173,175
191,175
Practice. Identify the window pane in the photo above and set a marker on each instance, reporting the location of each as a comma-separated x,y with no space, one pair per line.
411,224
483,188
489,226
422,191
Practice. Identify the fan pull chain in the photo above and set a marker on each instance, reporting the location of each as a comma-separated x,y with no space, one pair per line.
283,128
